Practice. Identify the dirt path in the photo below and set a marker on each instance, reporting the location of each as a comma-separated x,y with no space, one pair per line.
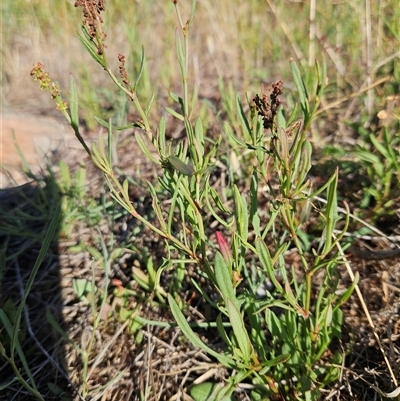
38,136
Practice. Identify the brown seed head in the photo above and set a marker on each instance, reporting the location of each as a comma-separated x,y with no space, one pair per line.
92,21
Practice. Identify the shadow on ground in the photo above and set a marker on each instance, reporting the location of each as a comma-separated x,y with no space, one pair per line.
28,214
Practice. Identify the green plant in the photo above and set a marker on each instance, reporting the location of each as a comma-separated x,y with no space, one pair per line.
379,157
277,343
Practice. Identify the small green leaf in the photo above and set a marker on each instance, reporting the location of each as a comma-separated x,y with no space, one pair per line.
346,295
199,133
215,197
331,213
223,277
243,119
254,218
145,149
241,214
273,362
368,157
301,88
175,97
191,336
141,69
65,175
125,186
181,53
73,104
239,330
81,287
161,135
107,125
175,114
156,207
141,278
266,261
222,331
179,165
88,44
56,326
208,391
304,164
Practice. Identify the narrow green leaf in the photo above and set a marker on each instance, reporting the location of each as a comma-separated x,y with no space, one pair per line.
192,12
39,260
229,132
15,345
241,214
301,88
203,293
175,114
199,134
156,207
181,53
142,279
191,336
125,186
346,295
110,143
239,330
217,200
179,165
107,125
207,193
266,261
384,151
280,119
222,332
303,166
194,97
65,175
161,136
145,148
175,97
90,48
55,324
243,118
73,103
223,278
149,104
273,362
141,69
368,157
254,218
332,215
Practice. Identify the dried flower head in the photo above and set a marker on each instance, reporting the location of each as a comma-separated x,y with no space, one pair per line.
122,71
92,21
268,109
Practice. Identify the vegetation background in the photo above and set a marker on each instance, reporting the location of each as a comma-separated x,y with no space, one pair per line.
235,47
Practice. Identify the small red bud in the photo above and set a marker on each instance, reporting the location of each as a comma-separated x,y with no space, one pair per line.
224,247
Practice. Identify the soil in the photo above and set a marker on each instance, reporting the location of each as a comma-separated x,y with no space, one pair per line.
35,136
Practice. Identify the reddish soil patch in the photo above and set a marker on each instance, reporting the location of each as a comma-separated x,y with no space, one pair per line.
37,137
